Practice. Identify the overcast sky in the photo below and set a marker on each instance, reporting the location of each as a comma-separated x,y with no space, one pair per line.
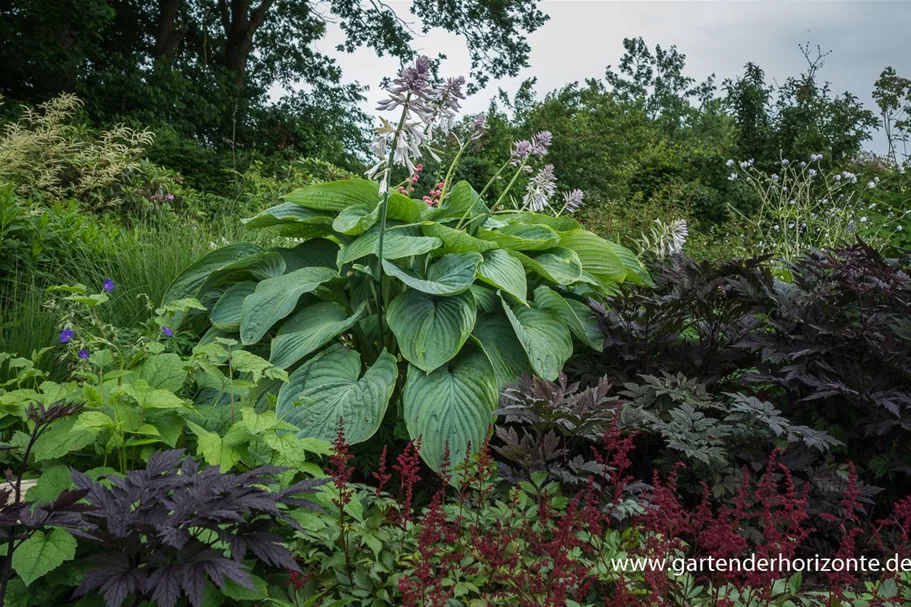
584,36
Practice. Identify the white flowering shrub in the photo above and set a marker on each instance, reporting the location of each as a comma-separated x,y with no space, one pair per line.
805,207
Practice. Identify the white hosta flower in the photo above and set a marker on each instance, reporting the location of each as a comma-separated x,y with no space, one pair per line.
540,189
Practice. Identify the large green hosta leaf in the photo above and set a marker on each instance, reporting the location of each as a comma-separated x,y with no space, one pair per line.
558,265
431,330
544,337
336,195
226,312
449,275
498,339
597,256
456,241
635,271
452,406
560,224
275,298
285,214
189,282
396,245
577,316
462,202
522,237
326,388
308,330
310,254
505,272
356,219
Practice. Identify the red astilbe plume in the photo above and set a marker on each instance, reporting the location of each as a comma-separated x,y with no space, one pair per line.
615,458
665,522
340,469
782,518
408,463
718,536
849,525
382,474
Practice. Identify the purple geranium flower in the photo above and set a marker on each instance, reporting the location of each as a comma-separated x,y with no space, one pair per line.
108,285
167,331
83,354
66,335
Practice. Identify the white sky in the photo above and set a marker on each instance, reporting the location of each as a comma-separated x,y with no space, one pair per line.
584,36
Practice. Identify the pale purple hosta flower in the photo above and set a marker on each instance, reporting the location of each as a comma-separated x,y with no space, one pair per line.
733,177
445,105
521,150
411,86
812,173
745,164
785,162
678,231
871,185
541,143
803,165
412,91
774,176
572,201
540,189
667,239
729,163
837,178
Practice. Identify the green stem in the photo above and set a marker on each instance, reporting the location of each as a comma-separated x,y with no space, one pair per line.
512,182
383,210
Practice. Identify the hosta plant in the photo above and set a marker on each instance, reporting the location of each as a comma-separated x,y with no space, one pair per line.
381,298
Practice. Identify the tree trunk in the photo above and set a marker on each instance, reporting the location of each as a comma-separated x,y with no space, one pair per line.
168,35
240,25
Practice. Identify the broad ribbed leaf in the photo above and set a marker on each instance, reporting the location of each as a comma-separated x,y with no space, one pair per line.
308,330
285,214
456,241
597,256
430,329
453,406
258,266
487,299
462,201
544,337
275,298
522,237
319,252
560,224
498,339
577,316
356,219
504,272
558,265
188,283
336,195
326,388
396,246
449,275
226,313
635,271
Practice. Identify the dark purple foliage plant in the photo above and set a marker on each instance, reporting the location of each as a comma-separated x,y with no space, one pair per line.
168,529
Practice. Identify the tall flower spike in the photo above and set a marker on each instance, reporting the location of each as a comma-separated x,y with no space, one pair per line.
541,188
572,201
